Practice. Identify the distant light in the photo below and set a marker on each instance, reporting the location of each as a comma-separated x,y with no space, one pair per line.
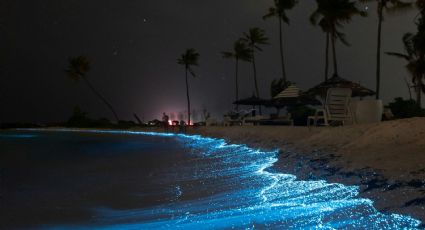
366,8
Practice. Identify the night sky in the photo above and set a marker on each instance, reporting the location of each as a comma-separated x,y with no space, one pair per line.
133,46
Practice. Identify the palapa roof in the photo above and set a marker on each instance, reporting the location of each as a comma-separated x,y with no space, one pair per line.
339,82
291,91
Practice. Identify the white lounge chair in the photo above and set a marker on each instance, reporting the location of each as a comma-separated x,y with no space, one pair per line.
336,108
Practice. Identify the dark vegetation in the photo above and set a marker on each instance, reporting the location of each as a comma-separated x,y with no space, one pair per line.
300,114
405,108
80,119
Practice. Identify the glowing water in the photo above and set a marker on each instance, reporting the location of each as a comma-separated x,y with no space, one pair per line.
252,197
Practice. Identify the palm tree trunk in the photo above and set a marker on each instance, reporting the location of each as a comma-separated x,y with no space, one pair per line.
101,98
378,51
418,91
188,97
237,82
409,88
282,58
257,92
255,78
327,57
334,50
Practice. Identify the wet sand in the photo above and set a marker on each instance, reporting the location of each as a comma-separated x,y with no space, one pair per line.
386,160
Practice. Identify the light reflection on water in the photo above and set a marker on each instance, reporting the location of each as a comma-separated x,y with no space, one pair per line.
19,136
252,197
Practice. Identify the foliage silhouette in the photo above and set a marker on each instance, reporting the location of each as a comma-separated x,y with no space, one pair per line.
78,67
242,52
188,59
331,15
279,11
388,6
254,38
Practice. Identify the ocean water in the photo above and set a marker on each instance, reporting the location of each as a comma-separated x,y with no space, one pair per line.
70,179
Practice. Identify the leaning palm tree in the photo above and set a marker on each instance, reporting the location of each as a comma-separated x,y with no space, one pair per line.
78,68
388,6
279,11
331,15
415,65
241,52
255,37
188,59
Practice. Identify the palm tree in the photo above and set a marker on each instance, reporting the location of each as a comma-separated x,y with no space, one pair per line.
188,59
78,68
255,37
415,65
279,11
331,15
388,6
240,52
326,28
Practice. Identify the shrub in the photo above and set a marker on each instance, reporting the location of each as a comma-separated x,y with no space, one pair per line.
300,114
405,108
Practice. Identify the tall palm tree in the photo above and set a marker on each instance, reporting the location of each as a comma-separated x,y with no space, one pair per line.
415,65
255,37
331,15
241,52
388,6
279,11
78,67
188,59
326,28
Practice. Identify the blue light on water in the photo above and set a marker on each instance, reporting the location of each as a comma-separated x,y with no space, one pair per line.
255,198
17,136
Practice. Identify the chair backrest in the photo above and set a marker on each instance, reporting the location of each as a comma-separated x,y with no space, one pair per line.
337,104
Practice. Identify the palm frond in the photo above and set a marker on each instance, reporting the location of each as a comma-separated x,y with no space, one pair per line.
397,6
190,57
399,55
228,55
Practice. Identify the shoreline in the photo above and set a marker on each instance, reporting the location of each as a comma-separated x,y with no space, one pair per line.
386,160
367,156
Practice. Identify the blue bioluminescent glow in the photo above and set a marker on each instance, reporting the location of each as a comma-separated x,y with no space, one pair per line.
17,136
248,196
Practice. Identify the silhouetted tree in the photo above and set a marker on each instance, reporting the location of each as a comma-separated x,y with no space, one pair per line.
255,37
279,11
78,67
331,15
242,52
388,6
188,59
415,65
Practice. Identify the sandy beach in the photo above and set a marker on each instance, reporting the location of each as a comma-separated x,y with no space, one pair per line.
387,160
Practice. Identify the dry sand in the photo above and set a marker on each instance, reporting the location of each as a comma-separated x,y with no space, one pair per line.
397,148
387,160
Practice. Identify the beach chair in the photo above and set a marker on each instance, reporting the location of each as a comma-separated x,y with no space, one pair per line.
231,121
336,108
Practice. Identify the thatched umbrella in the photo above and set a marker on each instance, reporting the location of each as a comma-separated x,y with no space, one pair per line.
292,96
339,82
253,100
